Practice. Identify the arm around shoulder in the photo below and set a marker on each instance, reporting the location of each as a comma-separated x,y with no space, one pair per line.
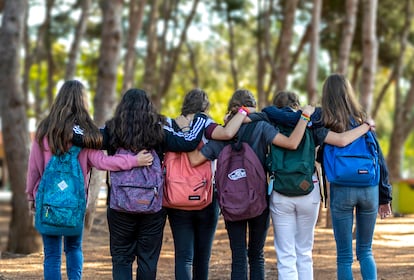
345,138
196,157
292,142
228,131
101,161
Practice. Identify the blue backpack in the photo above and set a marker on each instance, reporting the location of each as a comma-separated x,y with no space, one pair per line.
61,199
353,165
139,190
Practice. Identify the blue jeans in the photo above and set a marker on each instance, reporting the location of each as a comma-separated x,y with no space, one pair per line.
135,235
241,251
52,247
193,233
364,200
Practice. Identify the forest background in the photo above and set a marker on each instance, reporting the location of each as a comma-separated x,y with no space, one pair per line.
170,47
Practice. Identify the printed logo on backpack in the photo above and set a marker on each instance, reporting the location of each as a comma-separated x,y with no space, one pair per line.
291,170
60,199
186,187
353,165
241,180
138,190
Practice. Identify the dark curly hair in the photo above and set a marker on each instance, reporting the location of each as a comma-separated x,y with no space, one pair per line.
136,124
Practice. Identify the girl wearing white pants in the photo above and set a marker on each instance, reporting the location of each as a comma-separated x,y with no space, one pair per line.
294,220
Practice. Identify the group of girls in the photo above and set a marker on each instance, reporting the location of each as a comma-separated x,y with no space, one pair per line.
137,126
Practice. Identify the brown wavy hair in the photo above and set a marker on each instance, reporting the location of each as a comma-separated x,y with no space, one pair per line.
286,99
68,110
339,104
195,101
241,97
136,125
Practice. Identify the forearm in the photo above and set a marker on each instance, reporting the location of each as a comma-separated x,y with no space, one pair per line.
116,162
345,138
293,141
196,157
297,134
229,131
282,116
177,141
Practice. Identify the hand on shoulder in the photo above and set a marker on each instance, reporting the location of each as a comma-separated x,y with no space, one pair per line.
308,110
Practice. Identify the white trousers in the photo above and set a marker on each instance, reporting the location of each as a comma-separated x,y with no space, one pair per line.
294,220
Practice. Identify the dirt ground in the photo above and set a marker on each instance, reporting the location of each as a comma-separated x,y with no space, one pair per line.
393,250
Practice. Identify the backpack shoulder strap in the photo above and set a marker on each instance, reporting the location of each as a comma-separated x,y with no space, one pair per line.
245,136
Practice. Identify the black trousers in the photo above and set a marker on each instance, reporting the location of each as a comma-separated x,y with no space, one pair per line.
135,235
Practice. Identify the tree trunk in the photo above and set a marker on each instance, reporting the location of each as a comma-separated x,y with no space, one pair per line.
150,77
79,32
111,40
167,69
104,101
313,55
405,120
369,53
22,235
403,103
27,59
49,52
285,41
136,13
262,29
348,31
193,64
233,66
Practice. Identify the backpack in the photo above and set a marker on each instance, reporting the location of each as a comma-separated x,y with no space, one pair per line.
291,170
241,180
138,190
186,187
353,165
61,199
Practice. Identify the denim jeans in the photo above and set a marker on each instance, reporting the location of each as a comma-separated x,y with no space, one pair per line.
135,235
193,233
364,200
241,252
52,247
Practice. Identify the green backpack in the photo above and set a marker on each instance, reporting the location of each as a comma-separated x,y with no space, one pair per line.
291,170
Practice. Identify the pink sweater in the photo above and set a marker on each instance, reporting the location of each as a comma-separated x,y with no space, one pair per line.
88,158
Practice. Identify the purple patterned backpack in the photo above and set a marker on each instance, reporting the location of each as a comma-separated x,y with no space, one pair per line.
138,190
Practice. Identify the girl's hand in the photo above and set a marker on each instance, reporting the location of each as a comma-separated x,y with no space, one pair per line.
144,158
371,124
385,210
31,206
308,109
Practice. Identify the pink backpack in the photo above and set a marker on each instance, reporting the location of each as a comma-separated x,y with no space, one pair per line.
186,187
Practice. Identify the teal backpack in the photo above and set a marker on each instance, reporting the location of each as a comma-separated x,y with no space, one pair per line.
291,170
61,199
